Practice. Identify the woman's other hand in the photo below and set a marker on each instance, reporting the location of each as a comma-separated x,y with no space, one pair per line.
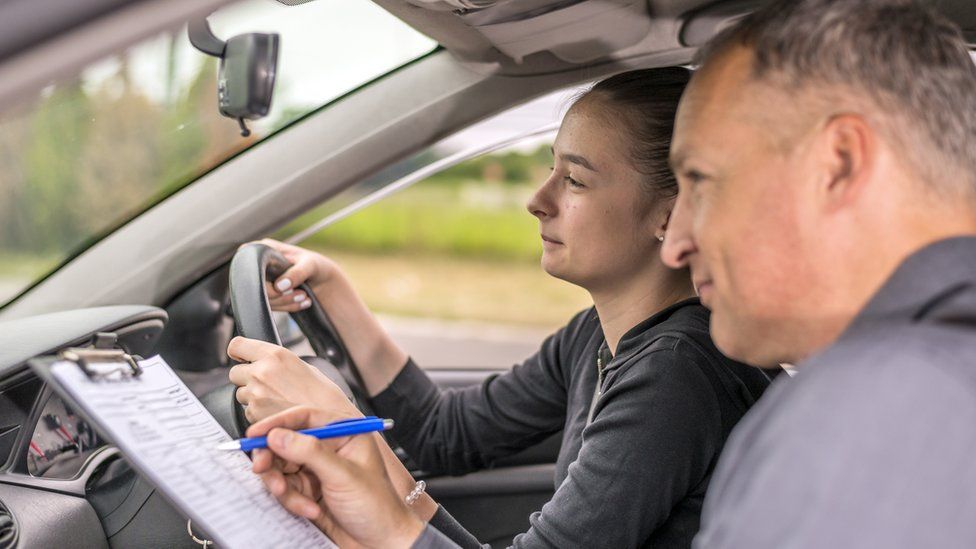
271,378
341,485
307,267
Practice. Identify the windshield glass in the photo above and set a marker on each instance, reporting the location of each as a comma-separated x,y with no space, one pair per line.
91,152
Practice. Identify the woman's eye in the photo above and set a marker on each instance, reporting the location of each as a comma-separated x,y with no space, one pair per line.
573,183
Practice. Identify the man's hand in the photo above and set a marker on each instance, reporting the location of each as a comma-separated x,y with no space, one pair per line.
272,378
340,485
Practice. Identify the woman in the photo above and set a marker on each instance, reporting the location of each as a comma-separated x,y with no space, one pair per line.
643,398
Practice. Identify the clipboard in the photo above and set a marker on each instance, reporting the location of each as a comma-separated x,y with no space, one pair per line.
165,433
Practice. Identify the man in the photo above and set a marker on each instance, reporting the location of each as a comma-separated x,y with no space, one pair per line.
824,238
826,156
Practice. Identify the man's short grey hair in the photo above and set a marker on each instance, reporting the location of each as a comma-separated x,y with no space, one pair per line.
904,57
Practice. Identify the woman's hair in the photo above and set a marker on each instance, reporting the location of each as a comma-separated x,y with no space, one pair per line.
644,102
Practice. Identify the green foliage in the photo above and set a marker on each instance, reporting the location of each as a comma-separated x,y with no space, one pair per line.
512,168
438,218
57,131
84,158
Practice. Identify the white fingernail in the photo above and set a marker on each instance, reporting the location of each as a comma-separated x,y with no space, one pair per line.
283,284
287,292
299,298
306,304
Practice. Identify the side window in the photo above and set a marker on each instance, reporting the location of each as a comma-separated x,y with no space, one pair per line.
451,264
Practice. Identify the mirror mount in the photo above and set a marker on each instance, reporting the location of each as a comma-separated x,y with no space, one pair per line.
248,64
204,39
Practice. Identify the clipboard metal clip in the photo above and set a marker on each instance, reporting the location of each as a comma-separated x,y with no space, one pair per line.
103,360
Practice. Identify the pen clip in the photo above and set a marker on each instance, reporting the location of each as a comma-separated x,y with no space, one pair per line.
351,420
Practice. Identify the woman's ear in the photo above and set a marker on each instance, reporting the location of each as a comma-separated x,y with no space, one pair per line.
663,218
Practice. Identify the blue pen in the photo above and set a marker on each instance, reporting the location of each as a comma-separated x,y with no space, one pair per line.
342,428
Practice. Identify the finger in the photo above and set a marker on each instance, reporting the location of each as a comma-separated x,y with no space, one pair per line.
295,275
244,349
317,456
289,497
240,374
274,481
284,300
299,483
296,418
292,307
273,292
295,298
290,468
242,395
284,466
262,460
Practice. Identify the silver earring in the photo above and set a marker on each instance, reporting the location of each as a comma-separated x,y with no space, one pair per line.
661,238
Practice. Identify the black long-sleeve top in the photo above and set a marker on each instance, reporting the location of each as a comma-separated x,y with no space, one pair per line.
636,475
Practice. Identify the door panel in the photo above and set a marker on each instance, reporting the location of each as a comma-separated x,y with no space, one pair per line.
495,504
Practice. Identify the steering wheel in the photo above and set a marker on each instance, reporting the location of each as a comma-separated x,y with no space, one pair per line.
250,268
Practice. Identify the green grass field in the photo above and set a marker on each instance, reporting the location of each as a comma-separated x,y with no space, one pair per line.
482,221
467,289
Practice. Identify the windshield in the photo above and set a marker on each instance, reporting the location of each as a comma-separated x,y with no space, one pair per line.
89,153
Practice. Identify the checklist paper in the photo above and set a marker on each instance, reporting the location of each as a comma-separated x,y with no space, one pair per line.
170,438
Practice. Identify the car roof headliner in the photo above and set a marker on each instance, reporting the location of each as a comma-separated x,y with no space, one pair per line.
42,40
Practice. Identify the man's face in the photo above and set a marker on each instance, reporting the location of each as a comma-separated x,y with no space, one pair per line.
743,220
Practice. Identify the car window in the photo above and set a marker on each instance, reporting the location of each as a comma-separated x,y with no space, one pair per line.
451,264
89,153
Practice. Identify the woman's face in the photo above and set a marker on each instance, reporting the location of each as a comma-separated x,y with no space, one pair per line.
599,228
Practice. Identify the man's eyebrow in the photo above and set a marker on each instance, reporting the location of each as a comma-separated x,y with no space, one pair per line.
577,159
676,160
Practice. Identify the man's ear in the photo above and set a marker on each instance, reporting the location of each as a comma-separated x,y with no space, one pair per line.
849,149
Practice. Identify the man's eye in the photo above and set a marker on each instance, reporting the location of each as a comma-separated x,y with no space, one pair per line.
573,183
694,176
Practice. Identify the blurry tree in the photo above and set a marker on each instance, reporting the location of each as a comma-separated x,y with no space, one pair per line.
59,133
15,229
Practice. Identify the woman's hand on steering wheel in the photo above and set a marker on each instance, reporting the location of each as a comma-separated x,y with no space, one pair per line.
307,267
271,378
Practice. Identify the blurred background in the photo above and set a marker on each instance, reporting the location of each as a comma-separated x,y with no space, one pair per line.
455,255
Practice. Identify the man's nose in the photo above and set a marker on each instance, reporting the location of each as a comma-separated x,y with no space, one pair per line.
679,244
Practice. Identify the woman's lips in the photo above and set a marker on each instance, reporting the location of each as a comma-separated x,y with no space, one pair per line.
549,242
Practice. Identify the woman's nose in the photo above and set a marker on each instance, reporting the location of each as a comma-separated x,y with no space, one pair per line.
542,204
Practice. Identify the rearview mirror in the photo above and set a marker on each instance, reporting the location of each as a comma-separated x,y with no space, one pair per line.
248,64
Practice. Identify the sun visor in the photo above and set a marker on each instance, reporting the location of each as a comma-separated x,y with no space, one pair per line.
575,31
453,5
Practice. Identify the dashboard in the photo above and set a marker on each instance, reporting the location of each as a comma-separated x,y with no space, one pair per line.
61,483
61,442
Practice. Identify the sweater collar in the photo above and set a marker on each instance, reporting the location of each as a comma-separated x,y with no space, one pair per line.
637,337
